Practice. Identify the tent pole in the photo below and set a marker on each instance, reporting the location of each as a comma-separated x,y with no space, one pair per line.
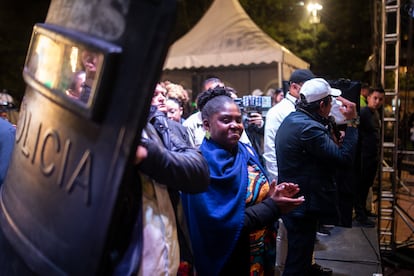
280,74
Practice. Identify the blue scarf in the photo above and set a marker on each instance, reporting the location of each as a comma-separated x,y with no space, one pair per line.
215,218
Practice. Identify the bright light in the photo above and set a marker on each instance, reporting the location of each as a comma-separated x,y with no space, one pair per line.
74,58
313,8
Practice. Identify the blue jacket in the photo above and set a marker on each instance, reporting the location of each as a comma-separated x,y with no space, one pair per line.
307,155
7,137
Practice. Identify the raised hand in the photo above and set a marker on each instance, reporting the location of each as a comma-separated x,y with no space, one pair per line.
348,108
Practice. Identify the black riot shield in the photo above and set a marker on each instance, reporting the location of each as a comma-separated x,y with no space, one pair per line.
350,89
90,72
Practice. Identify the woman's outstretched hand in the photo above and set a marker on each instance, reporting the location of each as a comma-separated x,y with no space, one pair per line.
283,194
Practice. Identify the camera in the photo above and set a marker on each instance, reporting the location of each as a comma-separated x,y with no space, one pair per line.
259,104
6,106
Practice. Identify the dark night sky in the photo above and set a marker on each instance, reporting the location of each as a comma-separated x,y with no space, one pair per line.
16,22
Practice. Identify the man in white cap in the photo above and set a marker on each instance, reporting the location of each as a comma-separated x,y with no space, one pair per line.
308,155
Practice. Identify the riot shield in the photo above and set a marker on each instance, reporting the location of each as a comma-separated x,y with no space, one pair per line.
90,72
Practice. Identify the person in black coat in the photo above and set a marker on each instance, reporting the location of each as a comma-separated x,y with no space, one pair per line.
308,155
368,154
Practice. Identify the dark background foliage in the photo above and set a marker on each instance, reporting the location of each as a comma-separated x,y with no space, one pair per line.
337,47
16,22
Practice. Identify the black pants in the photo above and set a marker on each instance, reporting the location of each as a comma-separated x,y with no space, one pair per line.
301,233
369,167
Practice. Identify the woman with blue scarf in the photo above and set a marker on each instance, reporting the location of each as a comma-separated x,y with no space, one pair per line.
231,224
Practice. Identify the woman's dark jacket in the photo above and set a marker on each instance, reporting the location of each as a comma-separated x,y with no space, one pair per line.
307,155
171,159
173,162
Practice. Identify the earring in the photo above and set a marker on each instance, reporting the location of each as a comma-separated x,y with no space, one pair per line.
208,135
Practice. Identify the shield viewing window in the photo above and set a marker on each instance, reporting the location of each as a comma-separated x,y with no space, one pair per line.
68,68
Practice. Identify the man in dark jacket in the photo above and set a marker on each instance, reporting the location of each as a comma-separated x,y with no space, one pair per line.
368,154
308,155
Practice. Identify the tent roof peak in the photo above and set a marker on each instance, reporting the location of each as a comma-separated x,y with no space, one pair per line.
227,36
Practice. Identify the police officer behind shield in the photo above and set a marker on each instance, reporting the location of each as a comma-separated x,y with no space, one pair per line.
90,60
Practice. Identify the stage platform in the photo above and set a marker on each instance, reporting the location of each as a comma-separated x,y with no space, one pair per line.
350,251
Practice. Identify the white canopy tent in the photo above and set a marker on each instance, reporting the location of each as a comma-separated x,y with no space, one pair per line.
226,43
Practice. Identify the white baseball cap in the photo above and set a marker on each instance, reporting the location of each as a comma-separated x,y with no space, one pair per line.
316,89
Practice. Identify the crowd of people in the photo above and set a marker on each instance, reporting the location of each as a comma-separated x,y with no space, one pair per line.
250,215
228,193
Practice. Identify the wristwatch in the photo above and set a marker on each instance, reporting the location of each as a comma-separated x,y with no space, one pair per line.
353,122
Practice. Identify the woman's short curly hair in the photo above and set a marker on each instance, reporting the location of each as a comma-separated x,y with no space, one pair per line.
176,91
212,100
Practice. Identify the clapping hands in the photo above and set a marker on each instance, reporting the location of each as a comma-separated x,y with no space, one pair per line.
283,194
